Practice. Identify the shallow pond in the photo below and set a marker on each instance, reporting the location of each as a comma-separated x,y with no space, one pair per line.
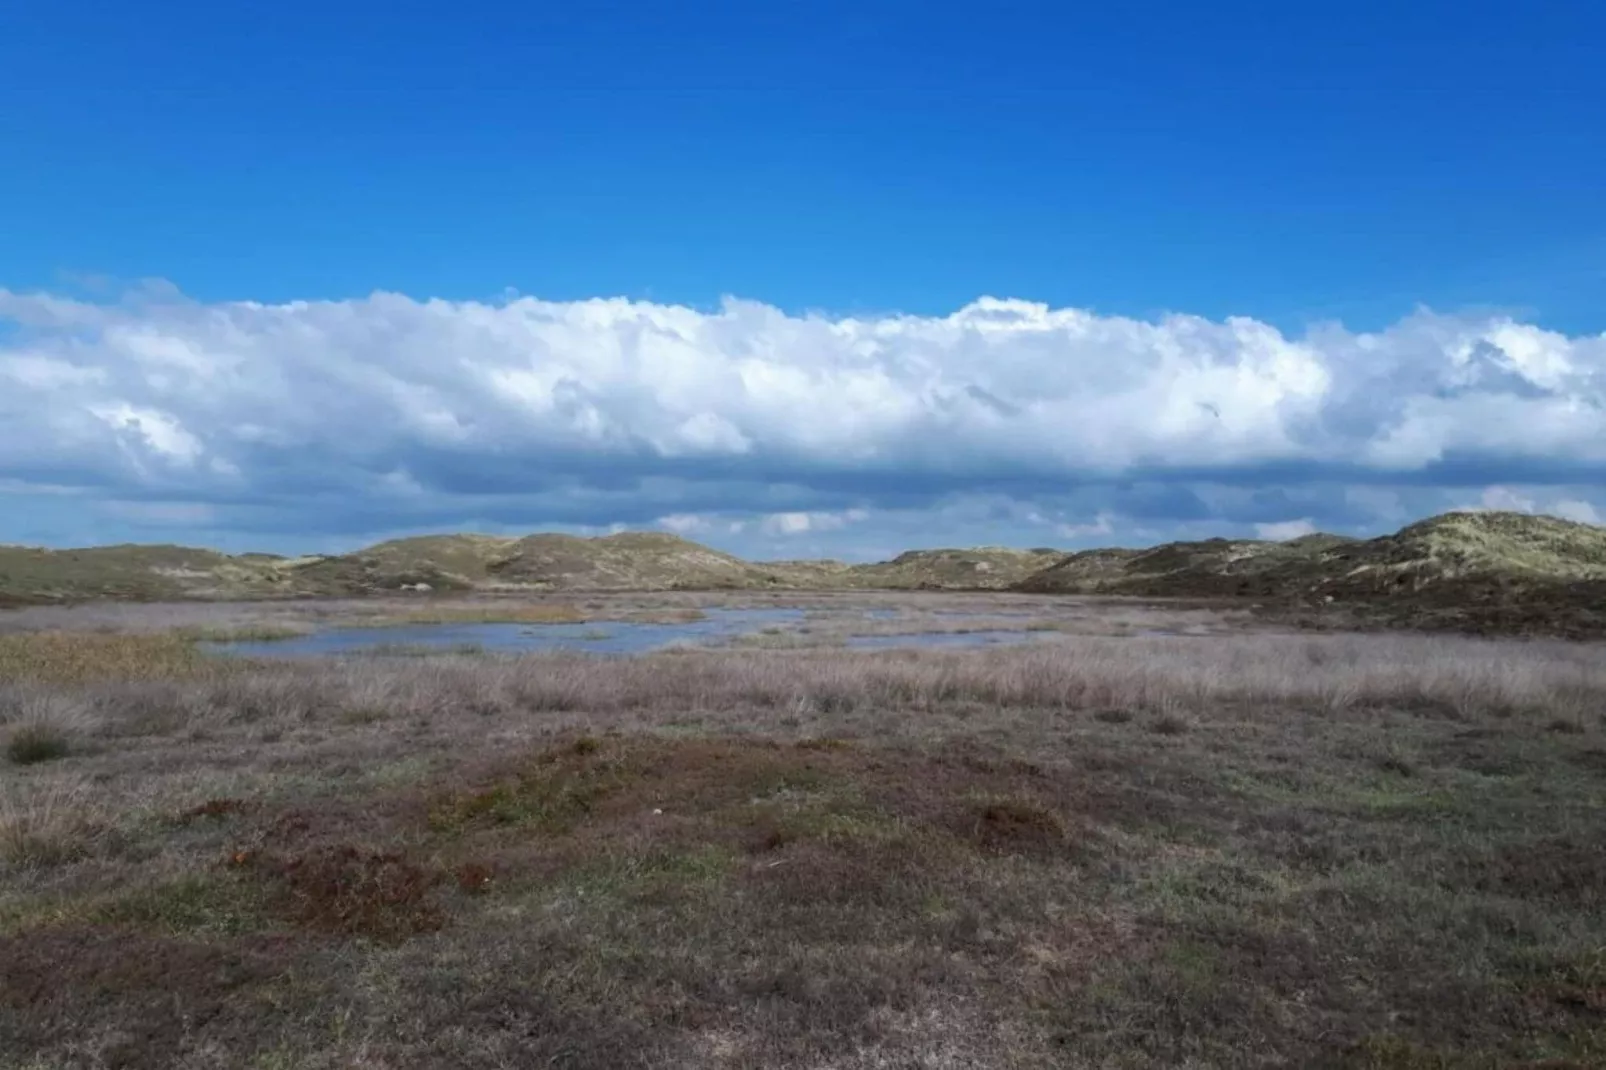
600,637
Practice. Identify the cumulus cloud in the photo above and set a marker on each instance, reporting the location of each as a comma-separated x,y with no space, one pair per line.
1283,530
360,415
1527,500
799,523
1101,524
1574,509
685,523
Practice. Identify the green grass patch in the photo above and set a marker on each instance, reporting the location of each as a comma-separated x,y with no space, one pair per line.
697,870
552,802
222,902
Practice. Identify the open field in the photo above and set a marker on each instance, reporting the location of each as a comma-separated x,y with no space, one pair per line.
1105,850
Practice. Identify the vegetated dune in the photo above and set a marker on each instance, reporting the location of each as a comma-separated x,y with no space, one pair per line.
1494,572
30,575
981,568
644,561
636,561
1485,571
632,560
1208,568
1451,548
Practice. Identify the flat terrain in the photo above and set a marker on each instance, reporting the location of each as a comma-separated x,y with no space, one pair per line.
1114,847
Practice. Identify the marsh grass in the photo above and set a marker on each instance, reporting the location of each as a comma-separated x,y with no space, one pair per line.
72,658
261,632
1352,851
485,613
668,615
1453,679
420,650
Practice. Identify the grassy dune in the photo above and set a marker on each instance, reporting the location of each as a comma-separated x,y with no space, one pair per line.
1481,573
983,568
1151,852
1488,573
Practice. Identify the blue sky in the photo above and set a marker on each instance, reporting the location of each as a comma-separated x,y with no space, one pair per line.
1365,236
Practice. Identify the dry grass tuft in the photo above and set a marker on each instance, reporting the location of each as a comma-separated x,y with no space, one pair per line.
39,726
1169,724
47,825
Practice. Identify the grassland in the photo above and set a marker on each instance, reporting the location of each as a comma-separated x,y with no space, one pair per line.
1152,851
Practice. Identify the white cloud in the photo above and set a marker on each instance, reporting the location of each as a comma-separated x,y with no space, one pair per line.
153,431
798,523
1530,500
684,523
1581,511
610,411
1505,499
787,523
1102,524
1283,530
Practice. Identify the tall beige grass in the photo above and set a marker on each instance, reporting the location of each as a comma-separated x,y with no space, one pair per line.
47,824
1444,676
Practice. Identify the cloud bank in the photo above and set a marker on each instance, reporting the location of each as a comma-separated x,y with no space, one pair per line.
340,420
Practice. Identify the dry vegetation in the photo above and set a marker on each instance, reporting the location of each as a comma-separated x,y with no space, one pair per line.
1145,852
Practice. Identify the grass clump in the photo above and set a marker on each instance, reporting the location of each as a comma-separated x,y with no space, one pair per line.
31,744
1169,724
361,715
48,827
